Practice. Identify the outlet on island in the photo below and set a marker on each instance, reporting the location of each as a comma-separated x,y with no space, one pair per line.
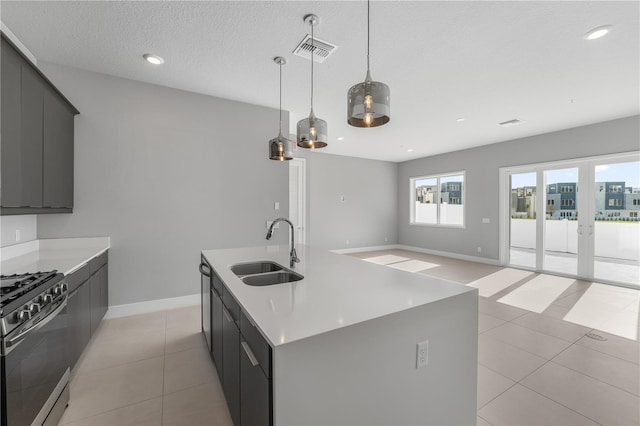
422,354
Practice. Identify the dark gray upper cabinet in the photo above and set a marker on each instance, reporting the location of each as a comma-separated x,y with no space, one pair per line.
58,152
36,140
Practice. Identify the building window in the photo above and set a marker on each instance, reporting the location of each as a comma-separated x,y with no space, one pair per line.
615,188
615,202
438,200
566,188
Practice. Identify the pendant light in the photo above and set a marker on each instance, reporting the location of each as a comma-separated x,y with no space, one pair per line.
280,148
368,102
312,131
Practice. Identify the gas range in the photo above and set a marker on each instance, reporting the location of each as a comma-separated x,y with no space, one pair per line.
26,297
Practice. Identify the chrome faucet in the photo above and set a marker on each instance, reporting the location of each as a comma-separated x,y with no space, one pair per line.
293,256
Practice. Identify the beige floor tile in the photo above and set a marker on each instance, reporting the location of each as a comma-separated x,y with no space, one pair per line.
499,310
490,385
147,413
129,347
569,300
592,398
188,368
482,422
196,406
521,406
116,327
552,326
529,340
179,339
505,359
557,312
186,317
606,368
461,271
104,390
626,349
487,322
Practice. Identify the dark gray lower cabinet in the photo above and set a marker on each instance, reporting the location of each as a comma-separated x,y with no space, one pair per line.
216,329
255,390
88,302
231,365
79,314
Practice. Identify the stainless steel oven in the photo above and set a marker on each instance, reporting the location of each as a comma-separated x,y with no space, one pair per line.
34,357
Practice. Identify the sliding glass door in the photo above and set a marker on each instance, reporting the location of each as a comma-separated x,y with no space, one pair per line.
576,218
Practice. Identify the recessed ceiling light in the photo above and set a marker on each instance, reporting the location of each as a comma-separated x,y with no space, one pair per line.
340,138
597,32
410,150
460,120
153,59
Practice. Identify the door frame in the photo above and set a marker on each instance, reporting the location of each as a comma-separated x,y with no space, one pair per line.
301,188
586,207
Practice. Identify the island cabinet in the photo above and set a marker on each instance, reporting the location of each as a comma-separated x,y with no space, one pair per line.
37,139
340,346
87,303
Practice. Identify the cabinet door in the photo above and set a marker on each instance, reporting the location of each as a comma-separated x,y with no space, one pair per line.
31,135
98,283
205,301
79,322
231,365
13,164
104,290
57,151
216,331
255,390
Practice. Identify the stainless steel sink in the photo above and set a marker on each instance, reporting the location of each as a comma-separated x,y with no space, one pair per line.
251,268
271,278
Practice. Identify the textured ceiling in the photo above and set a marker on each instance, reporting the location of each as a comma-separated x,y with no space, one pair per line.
485,61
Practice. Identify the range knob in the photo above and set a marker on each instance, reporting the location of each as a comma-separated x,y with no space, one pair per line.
57,290
64,287
23,315
47,298
34,308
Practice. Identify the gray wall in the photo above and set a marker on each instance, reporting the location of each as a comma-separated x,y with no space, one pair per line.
165,173
26,224
482,174
369,213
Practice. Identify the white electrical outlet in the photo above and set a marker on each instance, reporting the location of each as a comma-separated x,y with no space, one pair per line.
486,220
386,239
17,235
422,354
276,206
347,242
479,249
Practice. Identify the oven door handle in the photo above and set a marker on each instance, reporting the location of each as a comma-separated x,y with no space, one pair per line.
13,343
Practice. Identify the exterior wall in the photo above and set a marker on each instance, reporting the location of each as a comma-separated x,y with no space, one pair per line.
482,166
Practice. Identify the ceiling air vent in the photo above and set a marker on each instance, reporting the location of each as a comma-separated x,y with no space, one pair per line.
321,49
510,123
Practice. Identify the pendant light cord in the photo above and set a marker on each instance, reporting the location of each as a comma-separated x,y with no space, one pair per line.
280,125
368,24
312,49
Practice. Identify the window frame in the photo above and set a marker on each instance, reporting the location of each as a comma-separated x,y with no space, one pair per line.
438,176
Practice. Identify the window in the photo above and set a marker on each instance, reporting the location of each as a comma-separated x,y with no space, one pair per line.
438,200
615,202
615,188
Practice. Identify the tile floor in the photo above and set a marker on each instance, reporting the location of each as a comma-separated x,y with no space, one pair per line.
533,368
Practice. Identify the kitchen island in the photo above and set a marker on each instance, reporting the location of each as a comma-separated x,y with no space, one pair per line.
343,341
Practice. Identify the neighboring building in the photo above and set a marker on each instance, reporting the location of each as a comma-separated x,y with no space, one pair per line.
451,192
613,201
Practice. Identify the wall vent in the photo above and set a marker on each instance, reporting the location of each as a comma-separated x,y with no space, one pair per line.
510,123
321,49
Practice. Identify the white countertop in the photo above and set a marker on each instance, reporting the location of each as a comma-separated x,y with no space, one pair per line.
63,254
337,291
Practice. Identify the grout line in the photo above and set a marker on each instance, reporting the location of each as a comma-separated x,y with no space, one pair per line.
108,411
484,419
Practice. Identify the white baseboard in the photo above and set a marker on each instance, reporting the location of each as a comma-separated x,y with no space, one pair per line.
359,249
477,259
152,306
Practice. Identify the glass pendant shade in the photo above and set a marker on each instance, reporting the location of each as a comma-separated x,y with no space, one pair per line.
368,104
280,148
312,132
